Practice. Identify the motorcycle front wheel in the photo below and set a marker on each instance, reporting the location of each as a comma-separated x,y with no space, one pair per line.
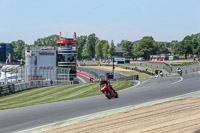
107,94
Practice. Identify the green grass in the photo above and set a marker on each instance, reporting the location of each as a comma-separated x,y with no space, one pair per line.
55,93
141,75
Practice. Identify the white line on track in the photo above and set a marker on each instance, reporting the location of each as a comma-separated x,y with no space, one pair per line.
82,80
181,79
145,81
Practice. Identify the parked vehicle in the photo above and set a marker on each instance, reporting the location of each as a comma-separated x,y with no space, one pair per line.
140,59
109,93
76,81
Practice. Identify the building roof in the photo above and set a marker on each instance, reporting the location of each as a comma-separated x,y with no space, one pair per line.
119,50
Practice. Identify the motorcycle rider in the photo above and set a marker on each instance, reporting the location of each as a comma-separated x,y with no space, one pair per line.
102,82
179,71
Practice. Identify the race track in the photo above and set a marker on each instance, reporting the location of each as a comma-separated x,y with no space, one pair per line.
13,120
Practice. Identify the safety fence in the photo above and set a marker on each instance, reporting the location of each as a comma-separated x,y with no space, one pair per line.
13,88
152,65
21,74
132,77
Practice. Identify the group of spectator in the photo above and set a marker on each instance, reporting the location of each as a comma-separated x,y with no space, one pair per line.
91,80
196,60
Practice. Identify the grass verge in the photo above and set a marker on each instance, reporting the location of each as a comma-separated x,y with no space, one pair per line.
56,93
142,76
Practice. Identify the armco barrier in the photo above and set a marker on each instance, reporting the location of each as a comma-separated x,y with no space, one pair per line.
132,77
13,88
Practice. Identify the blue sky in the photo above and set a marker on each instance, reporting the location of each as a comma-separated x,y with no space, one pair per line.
164,20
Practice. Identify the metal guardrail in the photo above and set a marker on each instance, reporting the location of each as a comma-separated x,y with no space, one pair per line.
153,65
132,77
13,88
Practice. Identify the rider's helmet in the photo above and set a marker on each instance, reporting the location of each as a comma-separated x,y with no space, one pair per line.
101,80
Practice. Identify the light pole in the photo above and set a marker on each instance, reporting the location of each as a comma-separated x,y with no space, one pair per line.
11,75
21,73
113,67
43,72
5,76
68,70
50,73
63,71
39,72
16,72
27,71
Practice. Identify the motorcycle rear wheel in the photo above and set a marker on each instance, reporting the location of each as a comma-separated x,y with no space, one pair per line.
116,94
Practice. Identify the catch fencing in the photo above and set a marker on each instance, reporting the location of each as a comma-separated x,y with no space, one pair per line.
20,74
19,78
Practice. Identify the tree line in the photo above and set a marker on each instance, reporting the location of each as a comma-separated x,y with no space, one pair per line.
92,47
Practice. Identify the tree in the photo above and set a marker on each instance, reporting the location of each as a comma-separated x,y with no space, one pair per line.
112,49
196,42
172,45
81,42
105,49
144,47
85,53
23,53
178,49
187,45
121,43
160,48
90,45
127,47
135,48
47,41
18,47
99,49
16,54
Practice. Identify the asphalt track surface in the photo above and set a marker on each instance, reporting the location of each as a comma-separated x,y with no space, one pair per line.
14,120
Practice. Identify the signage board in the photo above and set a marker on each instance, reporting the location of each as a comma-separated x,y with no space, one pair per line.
119,59
66,48
46,48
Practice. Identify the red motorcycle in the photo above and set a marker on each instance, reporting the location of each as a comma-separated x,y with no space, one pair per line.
109,93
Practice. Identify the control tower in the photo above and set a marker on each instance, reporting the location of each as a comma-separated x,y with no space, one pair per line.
66,56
